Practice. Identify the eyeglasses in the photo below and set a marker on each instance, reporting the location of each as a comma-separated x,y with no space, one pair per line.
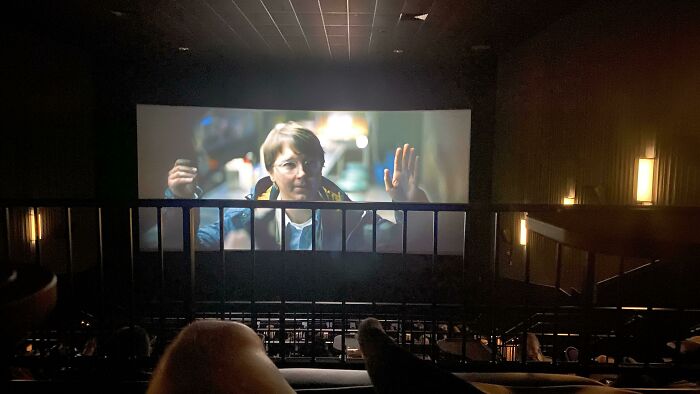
291,167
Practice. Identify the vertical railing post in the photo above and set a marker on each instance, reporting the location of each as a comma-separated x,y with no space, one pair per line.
464,287
589,301
344,286
557,306
620,321
315,284
37,240
283,304
222,251
161,270
495,305
404,275
188,247
8,237
133,220
253,308
528,309
101,272
433,273
72,301
374,254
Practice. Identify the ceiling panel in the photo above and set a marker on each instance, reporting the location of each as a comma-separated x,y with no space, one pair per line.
259,19
364,31
338,40
220,21
385,20
277,43
277,5
250,6
318,42
417,6
235,28
340,52
361,19
288,19
334,5
362,6
291,31
336,30
306,6
335,19
310,19
314,30
298,44
269,30
359,43
389,6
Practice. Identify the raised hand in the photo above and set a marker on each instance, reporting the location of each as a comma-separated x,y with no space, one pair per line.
403,184
181,179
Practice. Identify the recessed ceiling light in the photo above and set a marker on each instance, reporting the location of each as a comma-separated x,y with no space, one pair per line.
397,50
421,16
183,49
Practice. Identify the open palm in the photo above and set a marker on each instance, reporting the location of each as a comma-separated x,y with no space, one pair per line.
403,184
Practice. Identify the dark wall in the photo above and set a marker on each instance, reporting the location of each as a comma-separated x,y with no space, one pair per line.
76,108
49,129
582,101
468,84
579,103
276,84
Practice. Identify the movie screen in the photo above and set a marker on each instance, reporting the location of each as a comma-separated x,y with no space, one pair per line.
223,153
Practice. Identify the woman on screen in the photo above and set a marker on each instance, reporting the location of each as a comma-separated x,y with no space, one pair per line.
293,157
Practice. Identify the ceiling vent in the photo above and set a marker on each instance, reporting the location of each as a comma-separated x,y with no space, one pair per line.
413,17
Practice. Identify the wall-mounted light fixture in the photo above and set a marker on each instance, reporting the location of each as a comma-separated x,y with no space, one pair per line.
523,230
570,197
34,225
645,180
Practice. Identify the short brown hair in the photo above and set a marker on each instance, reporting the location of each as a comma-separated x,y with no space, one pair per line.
301,141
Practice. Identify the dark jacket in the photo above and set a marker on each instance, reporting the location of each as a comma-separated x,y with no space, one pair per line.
328,224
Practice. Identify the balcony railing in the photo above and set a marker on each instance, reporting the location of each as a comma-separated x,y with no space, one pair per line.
470,305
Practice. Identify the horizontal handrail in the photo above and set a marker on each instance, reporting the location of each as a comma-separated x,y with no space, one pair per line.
348,205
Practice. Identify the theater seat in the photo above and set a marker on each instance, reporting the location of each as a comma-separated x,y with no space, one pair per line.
522,379
314,378
357,381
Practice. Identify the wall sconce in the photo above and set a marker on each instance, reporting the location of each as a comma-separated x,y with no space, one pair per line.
523,231
570,198
35,231
645,180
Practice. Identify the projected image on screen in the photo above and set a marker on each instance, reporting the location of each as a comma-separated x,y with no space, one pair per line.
224,145
221,153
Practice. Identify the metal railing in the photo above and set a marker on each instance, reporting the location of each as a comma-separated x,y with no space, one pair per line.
472,316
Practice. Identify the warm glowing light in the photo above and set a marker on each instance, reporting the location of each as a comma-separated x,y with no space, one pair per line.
523,231
645,180
361,141
34,226
569,200
340,123
342,126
